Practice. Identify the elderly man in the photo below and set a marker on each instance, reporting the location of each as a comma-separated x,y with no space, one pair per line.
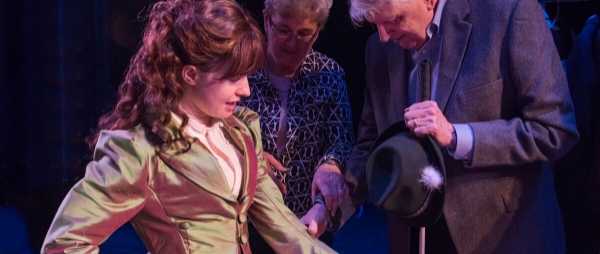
500,108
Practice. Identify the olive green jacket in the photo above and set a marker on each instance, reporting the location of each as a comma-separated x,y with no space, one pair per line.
177,202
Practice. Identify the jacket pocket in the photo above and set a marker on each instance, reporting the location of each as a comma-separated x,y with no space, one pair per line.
510,190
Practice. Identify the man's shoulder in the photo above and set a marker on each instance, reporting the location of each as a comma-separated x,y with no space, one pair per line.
492,4
487,18
493,9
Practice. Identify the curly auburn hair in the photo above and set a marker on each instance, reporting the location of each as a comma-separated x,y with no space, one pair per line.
209,34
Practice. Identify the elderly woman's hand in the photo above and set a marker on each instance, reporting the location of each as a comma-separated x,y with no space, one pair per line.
316,220
329,181
273,165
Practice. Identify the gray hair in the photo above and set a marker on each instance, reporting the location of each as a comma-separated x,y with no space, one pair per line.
365,10
317,10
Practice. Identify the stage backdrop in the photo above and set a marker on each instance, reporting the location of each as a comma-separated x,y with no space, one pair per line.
60,64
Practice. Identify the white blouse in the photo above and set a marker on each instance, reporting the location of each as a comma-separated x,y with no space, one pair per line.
227,155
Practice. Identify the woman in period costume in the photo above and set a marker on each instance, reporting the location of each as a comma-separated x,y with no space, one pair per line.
176,157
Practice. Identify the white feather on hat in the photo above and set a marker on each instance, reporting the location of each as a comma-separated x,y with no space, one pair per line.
431,178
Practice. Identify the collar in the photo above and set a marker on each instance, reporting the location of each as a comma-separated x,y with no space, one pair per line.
195,127
433,27
229,125
300,71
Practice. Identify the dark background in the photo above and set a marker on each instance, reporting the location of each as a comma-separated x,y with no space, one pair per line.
62,60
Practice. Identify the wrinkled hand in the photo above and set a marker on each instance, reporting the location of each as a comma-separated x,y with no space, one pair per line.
426,118
316,220
329,181
274,165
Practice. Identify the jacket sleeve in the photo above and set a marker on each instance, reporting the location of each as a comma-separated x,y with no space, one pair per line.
112,191
544,127
272,218
337,126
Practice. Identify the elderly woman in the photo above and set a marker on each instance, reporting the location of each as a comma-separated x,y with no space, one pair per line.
176,157
305,113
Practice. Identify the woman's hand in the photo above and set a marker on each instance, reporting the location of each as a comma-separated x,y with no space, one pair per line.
329,181
316,220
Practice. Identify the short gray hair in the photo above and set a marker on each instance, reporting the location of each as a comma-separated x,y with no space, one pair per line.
317,10
365,10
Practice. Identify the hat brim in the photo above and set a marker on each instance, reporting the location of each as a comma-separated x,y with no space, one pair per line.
397,190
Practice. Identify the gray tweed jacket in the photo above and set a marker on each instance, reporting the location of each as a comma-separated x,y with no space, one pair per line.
501,74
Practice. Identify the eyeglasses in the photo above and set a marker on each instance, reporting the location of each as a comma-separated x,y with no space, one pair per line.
284,32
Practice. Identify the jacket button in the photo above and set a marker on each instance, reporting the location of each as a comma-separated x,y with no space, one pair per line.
242,218
185,225
244,238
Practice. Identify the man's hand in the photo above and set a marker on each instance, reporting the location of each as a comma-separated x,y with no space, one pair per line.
426,118
273,165
329,181
316,220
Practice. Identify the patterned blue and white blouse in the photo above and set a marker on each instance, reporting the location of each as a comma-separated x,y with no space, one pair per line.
319,120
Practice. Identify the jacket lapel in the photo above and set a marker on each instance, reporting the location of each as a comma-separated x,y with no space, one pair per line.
199,166
456,31
242,139
196,164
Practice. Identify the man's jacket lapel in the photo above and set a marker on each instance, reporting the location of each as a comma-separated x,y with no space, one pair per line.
455,30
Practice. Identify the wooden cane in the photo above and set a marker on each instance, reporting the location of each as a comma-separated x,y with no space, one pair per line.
425,79
422,240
